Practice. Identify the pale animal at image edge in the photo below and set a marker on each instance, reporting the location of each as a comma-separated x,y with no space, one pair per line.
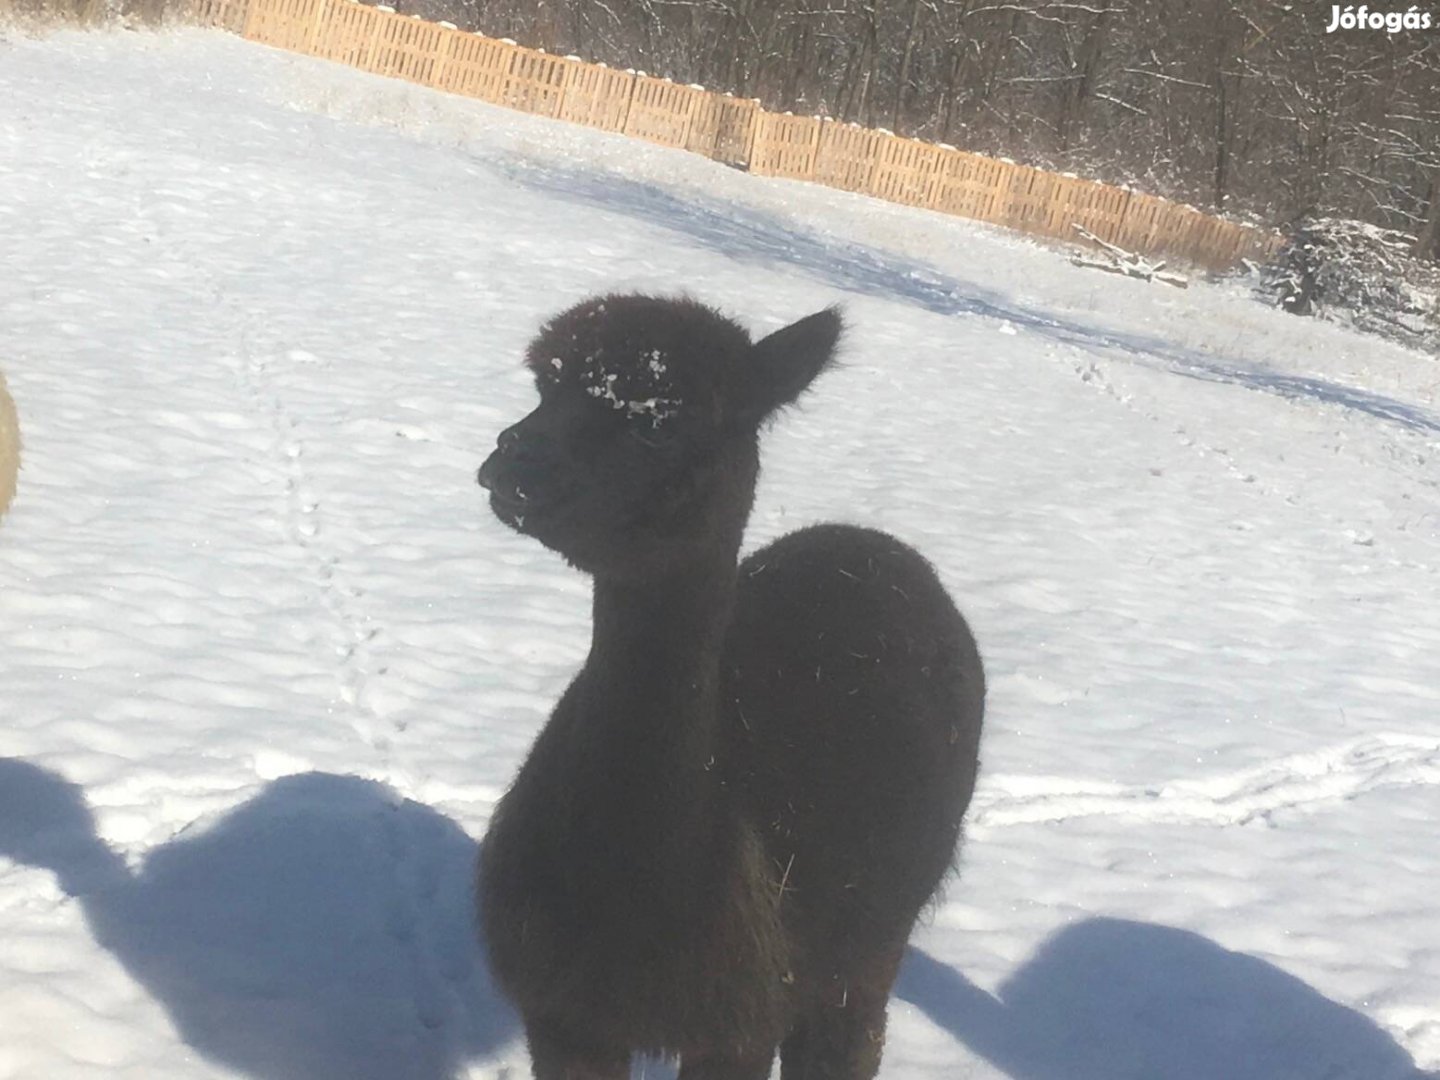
9,446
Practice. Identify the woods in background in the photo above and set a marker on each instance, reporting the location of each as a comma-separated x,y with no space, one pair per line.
1246,106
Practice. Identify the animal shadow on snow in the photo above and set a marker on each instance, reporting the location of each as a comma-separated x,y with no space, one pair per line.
752,236
324,929
1108,999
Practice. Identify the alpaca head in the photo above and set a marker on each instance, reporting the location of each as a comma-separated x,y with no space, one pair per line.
643,449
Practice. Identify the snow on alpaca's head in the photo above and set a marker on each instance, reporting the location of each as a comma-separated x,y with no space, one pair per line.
652,361
661,361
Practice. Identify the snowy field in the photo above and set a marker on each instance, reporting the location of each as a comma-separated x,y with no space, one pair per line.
267,661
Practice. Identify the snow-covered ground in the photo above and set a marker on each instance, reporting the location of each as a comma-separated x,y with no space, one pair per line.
266,660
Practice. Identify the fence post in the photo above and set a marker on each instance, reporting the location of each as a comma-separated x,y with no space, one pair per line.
822,146
1122,220
752,127
1119,227
873,148
635,78
689,117
567,80
629,102
372,46
444,55
248,24
507,79
318,25
757,142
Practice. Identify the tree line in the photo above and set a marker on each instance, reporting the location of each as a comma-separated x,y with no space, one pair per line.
1245,106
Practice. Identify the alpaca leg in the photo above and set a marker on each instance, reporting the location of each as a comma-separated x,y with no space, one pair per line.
835,1044
841,1036
723,1067
557,1056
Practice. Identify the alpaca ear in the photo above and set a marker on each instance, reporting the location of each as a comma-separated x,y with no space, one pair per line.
782,365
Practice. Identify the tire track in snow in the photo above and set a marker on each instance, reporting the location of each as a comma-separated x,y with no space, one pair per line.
1337,773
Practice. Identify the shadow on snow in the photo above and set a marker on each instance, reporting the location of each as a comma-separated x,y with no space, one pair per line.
748,235
324,930
1108,999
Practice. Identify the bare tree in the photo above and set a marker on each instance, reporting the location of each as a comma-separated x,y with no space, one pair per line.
1248,105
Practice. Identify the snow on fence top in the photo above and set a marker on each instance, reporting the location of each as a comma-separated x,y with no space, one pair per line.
738,132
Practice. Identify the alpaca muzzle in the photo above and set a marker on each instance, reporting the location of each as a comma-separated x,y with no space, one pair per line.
520,474
504,479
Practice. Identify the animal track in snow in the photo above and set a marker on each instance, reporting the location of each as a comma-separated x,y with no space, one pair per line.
438,974
1339,772
1271,483
303,522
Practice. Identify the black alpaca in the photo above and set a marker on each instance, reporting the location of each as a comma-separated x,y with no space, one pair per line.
722,838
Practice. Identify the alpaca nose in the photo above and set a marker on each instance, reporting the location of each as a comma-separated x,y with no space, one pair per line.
498,475
523,443
485,475
519,450
508,440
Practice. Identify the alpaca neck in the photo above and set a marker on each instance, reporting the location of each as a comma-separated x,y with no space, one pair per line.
649,711
662,635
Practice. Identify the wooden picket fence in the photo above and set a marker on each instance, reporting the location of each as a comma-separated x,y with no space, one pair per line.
738,132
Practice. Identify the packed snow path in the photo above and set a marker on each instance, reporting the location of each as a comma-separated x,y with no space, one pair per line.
266,661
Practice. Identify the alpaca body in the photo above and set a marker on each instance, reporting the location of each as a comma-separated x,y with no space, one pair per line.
861,688
838,771
721,839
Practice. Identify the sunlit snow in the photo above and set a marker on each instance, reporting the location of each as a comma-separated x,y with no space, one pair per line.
267,660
